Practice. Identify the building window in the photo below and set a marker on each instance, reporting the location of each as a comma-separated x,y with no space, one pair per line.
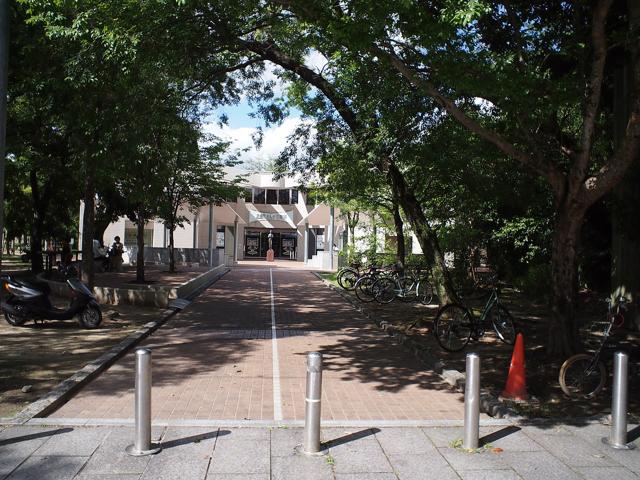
283,197
272,197
258,195
220,237
131,236
247,194
294,197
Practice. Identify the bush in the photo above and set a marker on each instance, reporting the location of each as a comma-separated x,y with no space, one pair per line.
536,282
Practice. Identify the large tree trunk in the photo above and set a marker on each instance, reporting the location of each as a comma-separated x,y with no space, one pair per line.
140,255
172,260
563,337
425,234
88,219
399,227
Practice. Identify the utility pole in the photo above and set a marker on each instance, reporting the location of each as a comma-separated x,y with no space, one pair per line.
4,67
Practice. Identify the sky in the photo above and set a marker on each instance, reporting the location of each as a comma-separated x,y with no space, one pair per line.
241,127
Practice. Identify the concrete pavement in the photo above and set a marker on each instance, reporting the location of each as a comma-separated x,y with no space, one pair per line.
542,452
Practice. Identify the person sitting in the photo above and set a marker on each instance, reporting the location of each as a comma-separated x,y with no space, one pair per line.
100,255
115,255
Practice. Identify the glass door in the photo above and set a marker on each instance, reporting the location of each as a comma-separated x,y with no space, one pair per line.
252,245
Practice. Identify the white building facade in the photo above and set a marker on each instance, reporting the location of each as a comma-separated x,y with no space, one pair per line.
272,210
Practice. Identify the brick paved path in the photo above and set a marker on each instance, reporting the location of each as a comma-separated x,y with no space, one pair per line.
215,360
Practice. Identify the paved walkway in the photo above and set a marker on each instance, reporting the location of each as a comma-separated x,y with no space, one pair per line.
529,453
238,353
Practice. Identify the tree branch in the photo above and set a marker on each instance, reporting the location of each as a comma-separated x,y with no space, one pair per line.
594,90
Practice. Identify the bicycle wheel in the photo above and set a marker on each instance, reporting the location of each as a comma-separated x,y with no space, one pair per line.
408,288
453,326
580,378
425,292
384,290
347,278
502,323
363,289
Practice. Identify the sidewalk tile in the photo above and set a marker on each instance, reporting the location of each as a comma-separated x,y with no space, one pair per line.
360,458
284,441
404,441
112,458
538,466
607,473
366,476
80,441
18,443
48,468
91,476
185,454
574,451
409,467
244,451
237,476
295,467
483,460
489,475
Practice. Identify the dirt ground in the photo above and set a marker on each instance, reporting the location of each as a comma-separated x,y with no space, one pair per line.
43,356
531,319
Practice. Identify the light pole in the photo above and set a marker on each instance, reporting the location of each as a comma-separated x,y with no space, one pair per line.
4,67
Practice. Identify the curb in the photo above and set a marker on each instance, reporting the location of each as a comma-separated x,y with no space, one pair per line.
67,388
489,403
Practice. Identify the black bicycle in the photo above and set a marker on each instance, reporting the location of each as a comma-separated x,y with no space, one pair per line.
455,324
584,375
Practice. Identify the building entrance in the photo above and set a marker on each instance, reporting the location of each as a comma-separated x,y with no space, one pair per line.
284,244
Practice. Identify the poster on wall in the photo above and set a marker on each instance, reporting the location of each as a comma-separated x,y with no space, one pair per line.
220,239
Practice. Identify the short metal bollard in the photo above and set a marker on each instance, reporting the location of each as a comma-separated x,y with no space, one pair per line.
618,435
311,445
142,444
472,402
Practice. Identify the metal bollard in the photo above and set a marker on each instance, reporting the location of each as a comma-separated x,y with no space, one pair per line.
311,444
472,402
142,444
618,435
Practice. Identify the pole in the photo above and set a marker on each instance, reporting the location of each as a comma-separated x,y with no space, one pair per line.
211,235
472,403
4,69
306,243
312,409
618,435
235,240
142,444
331,239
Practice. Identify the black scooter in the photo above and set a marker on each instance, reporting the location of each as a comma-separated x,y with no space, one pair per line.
24,300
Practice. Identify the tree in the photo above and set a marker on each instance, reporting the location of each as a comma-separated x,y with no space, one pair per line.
557,129
193,177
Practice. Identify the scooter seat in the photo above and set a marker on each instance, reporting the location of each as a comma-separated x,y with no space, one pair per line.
35,284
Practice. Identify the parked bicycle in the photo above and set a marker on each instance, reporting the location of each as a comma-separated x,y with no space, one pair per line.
405,286
455,324
364,287
584,375
348,276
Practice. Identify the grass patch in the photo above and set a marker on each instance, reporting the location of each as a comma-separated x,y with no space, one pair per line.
329,277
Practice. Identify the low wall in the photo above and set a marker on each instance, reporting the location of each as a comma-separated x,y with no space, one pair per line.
150,295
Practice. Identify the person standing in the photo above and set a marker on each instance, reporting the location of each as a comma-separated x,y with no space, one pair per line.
115,255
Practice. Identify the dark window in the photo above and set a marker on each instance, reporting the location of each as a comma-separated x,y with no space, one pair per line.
247,193
283,197
258,195
272,197
294,197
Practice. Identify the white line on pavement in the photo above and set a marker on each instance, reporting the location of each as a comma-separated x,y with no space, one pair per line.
277,397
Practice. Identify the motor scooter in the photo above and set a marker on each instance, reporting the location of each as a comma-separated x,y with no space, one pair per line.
25,299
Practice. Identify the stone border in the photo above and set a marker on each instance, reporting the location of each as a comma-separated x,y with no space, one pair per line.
151,295
489,403
67,388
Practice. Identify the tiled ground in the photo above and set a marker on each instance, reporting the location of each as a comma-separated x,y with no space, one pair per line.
214,360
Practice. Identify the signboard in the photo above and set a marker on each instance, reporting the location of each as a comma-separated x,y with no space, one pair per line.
255,216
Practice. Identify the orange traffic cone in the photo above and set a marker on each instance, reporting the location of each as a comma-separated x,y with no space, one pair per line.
516,387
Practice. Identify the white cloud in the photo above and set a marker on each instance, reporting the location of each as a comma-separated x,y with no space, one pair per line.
274,138
315,61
